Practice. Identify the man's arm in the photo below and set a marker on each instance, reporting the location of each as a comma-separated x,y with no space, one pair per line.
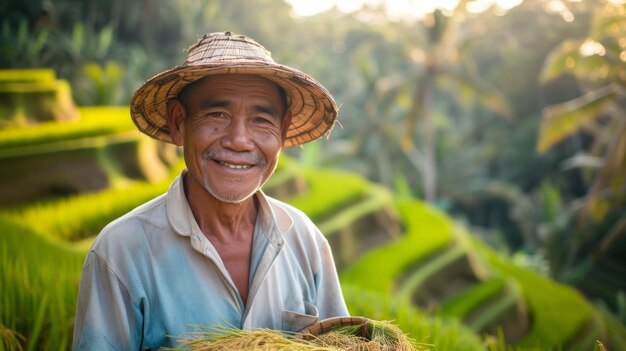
106,319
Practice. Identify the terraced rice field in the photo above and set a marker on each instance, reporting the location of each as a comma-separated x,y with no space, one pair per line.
399,259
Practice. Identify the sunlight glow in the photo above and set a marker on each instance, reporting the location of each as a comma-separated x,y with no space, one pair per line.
395,8
557,6
592,47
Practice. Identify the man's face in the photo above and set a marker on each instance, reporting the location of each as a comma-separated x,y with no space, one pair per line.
232,134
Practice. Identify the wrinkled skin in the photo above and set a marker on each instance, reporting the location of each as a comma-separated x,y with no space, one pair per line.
231,129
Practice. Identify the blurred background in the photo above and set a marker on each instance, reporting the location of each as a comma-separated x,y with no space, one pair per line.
507,116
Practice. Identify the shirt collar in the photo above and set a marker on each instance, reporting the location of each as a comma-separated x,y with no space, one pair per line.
273,219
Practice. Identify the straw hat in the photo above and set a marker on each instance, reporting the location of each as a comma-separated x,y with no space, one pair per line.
313,108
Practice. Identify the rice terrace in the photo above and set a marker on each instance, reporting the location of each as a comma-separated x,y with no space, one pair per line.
416,274
399,258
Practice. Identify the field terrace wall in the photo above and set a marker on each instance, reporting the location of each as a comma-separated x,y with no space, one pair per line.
439,267
33,96
354,215
50,148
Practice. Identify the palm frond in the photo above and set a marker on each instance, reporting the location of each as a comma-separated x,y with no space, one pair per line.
563,120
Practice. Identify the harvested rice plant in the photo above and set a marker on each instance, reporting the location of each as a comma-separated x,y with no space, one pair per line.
473,192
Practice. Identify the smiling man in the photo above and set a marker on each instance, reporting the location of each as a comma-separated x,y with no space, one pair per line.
214,250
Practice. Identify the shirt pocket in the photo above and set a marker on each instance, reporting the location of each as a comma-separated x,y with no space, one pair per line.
296,321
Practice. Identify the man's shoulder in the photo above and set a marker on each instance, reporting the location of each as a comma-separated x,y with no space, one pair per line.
132,225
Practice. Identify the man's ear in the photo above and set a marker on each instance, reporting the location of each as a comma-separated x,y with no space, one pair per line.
284,124
176,121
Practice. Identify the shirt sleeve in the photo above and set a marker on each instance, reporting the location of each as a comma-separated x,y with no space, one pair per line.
106,318
330,301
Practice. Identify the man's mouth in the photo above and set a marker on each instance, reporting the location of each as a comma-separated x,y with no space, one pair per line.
234,160
234,166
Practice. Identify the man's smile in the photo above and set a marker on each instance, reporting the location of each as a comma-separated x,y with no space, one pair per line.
233,166
234,161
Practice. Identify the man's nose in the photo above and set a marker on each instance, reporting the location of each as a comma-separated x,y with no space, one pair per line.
237,137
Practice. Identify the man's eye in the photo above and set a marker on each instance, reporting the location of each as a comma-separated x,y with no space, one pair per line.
216,114
262,120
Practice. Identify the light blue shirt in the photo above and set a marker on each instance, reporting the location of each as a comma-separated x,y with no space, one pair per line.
151,276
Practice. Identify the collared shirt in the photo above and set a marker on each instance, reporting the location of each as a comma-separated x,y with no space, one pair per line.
152,276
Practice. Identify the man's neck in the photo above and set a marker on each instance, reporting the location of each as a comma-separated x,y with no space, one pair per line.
218,220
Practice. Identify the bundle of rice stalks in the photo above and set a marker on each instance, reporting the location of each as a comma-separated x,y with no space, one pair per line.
222,339
335,334
358,334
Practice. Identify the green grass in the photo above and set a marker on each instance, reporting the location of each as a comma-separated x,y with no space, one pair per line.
18,88
433,333
82,216
94,121
558,311
328,190
496,306
462,304
39,285
77,217
428,232
376,198
419,276
26,75
40,270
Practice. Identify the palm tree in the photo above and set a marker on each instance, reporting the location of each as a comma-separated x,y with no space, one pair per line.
373,127
598,62
401,76
438,65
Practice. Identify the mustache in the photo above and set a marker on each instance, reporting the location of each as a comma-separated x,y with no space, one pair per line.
250,157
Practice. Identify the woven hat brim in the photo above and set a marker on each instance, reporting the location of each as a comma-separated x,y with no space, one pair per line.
313,109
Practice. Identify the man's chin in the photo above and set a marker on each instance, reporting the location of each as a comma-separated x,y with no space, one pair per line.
235,198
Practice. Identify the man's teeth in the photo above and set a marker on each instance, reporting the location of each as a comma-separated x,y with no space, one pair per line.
230,165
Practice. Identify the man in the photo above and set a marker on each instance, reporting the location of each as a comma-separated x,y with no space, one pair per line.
214,250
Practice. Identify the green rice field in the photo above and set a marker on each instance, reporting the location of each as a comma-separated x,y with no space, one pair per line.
495,305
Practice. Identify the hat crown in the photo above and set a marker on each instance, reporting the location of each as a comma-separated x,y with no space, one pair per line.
313,110
226,46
